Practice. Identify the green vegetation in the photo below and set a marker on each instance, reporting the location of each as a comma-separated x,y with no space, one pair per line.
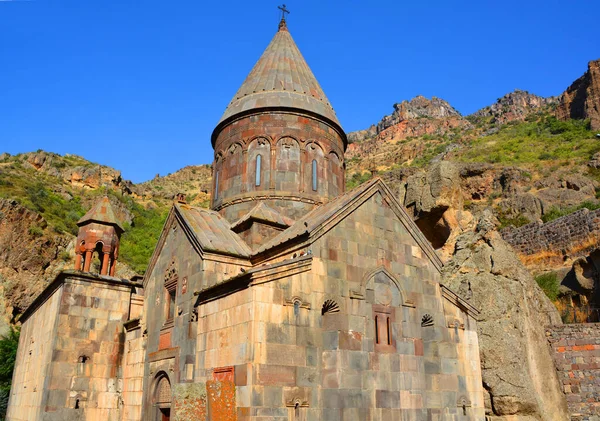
31,190
542,138
548,282
555,213
8,354
517,221
357,179
36,191
139,240
432,149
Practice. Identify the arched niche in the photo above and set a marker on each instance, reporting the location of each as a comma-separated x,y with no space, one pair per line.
217,173
258,164
287,165
162,397
384,293
335,174
380,287
230,177
315,172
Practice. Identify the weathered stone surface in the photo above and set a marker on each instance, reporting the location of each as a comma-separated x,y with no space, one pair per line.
28,252
582,98
516,105
517,368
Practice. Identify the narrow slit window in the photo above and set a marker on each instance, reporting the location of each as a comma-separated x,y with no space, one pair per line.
171,312
258,162
389,332
376,329
314,175
216,185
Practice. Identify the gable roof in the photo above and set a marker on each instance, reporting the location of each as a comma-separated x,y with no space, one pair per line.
319,219
101,212
212,232
280,79
262,212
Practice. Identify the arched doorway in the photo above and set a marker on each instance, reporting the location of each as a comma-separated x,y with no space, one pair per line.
162,397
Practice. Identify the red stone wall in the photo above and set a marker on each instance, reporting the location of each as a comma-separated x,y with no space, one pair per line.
577,358
221,400
287,144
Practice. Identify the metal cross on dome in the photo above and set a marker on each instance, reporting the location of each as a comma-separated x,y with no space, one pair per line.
283,11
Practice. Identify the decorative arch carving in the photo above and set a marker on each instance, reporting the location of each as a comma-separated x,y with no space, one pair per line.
260,139
257,171
335,171
313,146
315,172
287,158
162,395
369,281
287,138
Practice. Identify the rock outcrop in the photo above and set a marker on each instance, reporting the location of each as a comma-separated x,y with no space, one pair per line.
515,106
434,199
582,98
418,107
30,254
417,117
517,367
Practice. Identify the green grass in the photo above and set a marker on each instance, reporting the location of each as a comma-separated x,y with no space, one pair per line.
555,212
548,282
544,138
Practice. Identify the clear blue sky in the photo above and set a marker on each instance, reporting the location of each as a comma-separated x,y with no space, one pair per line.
140,84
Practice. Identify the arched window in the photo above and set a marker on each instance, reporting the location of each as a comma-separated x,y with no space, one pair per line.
216,185
258,162
314,175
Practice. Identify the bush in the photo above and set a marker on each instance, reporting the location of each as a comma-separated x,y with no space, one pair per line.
357,179
548,282
138,241
35,231
8,355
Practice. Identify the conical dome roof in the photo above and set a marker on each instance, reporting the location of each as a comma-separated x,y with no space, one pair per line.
101,212
280,79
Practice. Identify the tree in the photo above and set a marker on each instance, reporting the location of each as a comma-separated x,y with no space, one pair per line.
9,343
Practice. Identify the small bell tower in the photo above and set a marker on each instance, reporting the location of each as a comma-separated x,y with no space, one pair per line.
99,236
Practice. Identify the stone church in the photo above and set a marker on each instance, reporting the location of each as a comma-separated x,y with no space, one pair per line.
290,299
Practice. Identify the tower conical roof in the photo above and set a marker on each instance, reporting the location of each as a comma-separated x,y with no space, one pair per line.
101,212
281,79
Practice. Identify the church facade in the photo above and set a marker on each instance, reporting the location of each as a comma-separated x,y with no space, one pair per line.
290,299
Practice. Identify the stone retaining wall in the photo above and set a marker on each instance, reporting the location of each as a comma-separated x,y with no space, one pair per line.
570,232
577,358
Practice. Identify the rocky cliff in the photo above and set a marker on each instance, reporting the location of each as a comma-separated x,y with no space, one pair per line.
517,368
582,98
515,106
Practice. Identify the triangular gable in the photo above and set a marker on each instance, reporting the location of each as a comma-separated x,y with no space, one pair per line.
265,214
200,237
325,217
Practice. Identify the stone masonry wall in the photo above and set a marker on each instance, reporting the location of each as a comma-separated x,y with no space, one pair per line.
33,358
566,234
577,357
